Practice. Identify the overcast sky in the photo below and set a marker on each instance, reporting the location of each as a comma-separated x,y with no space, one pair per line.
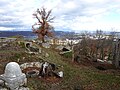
73,15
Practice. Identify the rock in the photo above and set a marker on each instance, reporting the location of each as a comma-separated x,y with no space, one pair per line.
45,65
3,88
4,45
23,66
38,64
60,74
47,69
32,49
24,88
99,60
40,50
33,41
59,47
65,49
1,83
46,55
31,64
68,47
110,62
28,44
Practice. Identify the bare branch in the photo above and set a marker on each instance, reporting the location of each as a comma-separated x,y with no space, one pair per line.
38,19
38,11
49,12
44,12
50,19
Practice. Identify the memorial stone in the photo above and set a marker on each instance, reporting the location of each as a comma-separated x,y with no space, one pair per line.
13,76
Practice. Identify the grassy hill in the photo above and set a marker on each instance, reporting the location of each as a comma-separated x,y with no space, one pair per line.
76,76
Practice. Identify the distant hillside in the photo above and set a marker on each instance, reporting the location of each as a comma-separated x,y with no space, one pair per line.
63,33
29,33
14,33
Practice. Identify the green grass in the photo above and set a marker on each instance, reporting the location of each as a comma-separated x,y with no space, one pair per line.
68,55
74,75
88,77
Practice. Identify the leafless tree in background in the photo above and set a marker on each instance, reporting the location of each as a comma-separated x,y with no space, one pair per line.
44,28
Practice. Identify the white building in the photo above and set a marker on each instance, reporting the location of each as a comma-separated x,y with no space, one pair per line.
62,41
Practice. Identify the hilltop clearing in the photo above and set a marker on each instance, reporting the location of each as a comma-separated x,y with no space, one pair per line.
76,77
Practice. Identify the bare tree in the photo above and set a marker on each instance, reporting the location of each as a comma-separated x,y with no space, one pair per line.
44,19
116,50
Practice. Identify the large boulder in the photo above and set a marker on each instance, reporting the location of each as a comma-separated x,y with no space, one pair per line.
29,46
59,47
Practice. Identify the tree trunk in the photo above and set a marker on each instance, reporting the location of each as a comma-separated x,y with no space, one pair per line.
73,57
116,54
42,38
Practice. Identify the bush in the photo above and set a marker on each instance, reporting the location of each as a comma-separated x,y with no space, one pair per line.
68,54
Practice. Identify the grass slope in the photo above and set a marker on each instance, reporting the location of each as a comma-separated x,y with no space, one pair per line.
75,77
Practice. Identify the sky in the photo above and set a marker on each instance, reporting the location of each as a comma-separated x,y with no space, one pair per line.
70,15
